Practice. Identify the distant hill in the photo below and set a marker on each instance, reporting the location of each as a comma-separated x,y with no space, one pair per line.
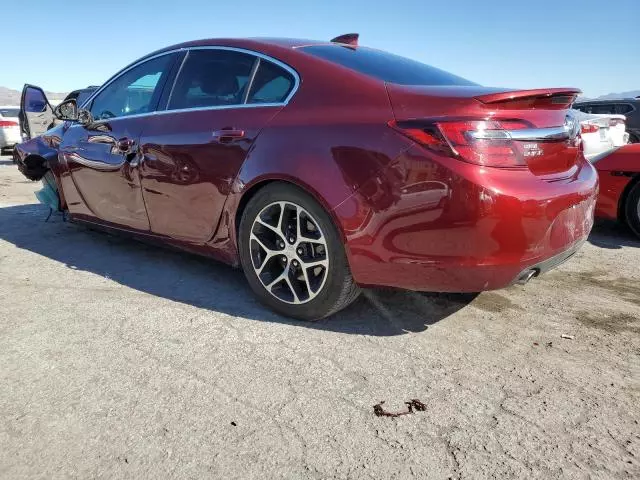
9,96
612,96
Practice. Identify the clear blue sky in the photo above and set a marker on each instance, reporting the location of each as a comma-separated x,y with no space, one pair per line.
590,44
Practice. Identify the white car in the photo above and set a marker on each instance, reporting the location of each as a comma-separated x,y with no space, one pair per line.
601,133
9,127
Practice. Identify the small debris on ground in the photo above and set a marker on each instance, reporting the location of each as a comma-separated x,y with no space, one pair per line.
234,424
567,337
535,344
411,405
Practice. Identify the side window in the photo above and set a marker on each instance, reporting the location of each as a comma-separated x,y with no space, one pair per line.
83,96
622,108
605,109
133,92
211,78
272,84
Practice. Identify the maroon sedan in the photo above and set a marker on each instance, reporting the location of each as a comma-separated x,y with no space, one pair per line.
320,167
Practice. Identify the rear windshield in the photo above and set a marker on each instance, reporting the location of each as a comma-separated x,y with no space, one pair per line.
385,66
9,112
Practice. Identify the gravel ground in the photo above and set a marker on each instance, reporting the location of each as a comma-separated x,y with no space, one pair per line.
121,360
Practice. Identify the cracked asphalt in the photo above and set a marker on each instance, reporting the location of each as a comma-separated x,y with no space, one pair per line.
122,360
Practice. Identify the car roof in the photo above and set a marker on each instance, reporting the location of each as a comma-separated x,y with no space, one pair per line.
267,45
265,41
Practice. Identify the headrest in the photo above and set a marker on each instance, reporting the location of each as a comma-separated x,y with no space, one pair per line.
221,83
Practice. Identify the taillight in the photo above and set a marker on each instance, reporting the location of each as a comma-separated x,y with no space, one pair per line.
483,142
7,123
589,128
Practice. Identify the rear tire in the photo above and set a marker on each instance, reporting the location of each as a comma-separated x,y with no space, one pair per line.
632,209
292,254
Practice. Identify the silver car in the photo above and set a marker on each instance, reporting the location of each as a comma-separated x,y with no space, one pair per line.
9,127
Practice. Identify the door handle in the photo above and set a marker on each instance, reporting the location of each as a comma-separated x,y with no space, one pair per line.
228,134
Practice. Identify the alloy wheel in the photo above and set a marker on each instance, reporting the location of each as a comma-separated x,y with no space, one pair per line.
289,252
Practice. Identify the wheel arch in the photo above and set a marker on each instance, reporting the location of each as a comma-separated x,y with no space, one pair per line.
625,195
251,190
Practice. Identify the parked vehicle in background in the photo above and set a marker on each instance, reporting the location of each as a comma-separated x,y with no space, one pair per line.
629,107
601,133
41,112
619,197
9,128
322,166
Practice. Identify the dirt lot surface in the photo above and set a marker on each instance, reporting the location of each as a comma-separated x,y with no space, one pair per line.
121,360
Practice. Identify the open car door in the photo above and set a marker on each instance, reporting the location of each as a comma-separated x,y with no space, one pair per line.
36,113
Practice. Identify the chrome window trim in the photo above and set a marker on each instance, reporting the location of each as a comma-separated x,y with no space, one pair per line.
262,56
183,110
216,107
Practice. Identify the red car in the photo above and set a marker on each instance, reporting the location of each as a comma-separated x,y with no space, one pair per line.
320,167
619,197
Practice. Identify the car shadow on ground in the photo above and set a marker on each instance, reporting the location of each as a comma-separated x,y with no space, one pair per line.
207,284
612,235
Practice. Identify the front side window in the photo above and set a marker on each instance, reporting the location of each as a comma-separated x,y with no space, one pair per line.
271,84
385,66
211,78
134,92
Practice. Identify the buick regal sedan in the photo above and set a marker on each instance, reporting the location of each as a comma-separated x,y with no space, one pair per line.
321,167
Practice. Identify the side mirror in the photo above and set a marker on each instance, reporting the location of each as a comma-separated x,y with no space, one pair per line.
69,111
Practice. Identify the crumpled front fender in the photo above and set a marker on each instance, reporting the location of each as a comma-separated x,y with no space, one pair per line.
36,157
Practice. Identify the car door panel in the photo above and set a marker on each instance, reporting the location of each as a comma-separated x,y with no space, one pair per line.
36,113
190,160
105,176
102,156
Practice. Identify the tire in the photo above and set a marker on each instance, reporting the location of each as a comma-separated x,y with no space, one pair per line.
632,209
328,285
633,138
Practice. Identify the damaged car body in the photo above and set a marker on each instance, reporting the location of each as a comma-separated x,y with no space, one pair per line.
321,167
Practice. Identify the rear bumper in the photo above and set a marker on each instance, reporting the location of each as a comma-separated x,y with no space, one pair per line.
443,225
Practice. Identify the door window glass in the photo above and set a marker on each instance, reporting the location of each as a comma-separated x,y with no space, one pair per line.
211,78
271,84
133,92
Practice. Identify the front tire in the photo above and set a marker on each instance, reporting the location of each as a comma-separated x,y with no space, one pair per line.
292,254
632,209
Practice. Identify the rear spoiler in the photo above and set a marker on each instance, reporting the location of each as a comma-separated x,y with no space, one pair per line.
560,97
347,39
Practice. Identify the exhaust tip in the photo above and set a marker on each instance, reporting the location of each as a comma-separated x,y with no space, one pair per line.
526,276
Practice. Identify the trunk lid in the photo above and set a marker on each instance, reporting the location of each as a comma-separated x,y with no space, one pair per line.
493,127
